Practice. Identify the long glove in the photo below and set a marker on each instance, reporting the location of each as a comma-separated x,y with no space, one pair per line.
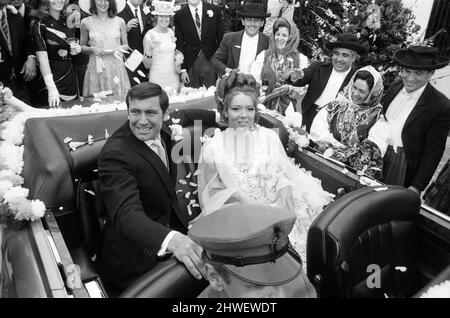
53,94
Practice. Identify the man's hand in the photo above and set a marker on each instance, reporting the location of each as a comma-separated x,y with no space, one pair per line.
184,76
228,70
29,69
187,252
283,90
415,190
133,23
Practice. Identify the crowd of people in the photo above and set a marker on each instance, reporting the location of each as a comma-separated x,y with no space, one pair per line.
397,136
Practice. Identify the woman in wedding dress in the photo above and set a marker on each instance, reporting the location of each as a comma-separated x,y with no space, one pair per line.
246,163
160,48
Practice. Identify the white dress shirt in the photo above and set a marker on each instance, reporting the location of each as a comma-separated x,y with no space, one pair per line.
139,17
249,47
200,11
22,10
397,113
332,88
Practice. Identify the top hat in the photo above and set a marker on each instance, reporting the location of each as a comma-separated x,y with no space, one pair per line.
420,58
250,241
164,8
254,10
347,41
85,5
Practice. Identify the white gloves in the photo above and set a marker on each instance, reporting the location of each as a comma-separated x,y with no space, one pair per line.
53,94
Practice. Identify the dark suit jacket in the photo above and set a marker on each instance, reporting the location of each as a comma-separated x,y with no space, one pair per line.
139,195
188,41
229,51
135,36
316,76
424,134
11,65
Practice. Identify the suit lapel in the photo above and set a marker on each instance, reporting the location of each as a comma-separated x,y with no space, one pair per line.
420,107
390,95
205,20
237,41
153,159
326,72
260,46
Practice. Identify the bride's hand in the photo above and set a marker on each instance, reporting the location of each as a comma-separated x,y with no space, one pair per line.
287,199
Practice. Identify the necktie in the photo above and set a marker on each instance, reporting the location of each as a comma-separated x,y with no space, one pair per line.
157,147
5,30
197,19
137,17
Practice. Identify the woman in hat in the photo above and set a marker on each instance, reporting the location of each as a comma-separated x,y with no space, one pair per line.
160,53
58,81
353,126
104,38
247,163
274,66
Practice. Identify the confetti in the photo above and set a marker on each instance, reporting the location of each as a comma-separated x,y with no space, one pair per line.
136,80
182,181
106,134
141,73
175,120
188,175
189,210
90,139
67,140
197,172
193,184
187,195
179,190
195,192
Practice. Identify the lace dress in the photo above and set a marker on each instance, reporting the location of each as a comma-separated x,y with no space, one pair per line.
106,72
162,68
253,164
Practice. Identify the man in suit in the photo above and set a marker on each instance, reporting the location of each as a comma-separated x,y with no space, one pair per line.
239,49
199,30
137,183
418,117
17,59
326,79
138,21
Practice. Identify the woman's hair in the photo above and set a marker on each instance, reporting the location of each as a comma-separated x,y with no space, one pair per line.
232,85
365,76
40,8
112,9
218,268
281,23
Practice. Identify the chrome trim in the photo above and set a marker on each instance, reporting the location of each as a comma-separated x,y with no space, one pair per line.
435,216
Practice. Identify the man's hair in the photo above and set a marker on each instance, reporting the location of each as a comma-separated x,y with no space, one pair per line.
218,268
365,76
146,90
112,9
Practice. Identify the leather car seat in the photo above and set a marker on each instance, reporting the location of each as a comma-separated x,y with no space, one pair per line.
365,245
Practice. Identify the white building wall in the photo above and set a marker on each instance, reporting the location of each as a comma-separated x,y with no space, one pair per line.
422,10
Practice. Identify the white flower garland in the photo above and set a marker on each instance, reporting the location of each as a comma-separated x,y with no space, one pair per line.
11,148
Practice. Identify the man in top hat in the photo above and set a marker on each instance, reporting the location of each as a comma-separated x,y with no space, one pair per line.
239,49
199,30
138,21
418,116
326,79
245,250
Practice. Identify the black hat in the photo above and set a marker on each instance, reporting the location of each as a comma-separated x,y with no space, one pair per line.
254,10
347,41
250,241
420,58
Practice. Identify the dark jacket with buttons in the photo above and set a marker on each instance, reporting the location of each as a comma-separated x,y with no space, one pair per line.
142,206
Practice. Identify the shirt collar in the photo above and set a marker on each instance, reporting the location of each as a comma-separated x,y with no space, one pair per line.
22,9
341,73
132,7
152,141
250,37
415,94
199,7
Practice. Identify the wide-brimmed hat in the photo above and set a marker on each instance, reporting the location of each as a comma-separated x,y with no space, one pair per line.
347,41
254,10
85,5
420,58
164,8
250,241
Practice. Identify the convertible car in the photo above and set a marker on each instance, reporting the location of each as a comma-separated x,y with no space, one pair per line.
373,241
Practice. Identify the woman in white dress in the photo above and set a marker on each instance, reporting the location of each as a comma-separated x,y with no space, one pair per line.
160,52
247,163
